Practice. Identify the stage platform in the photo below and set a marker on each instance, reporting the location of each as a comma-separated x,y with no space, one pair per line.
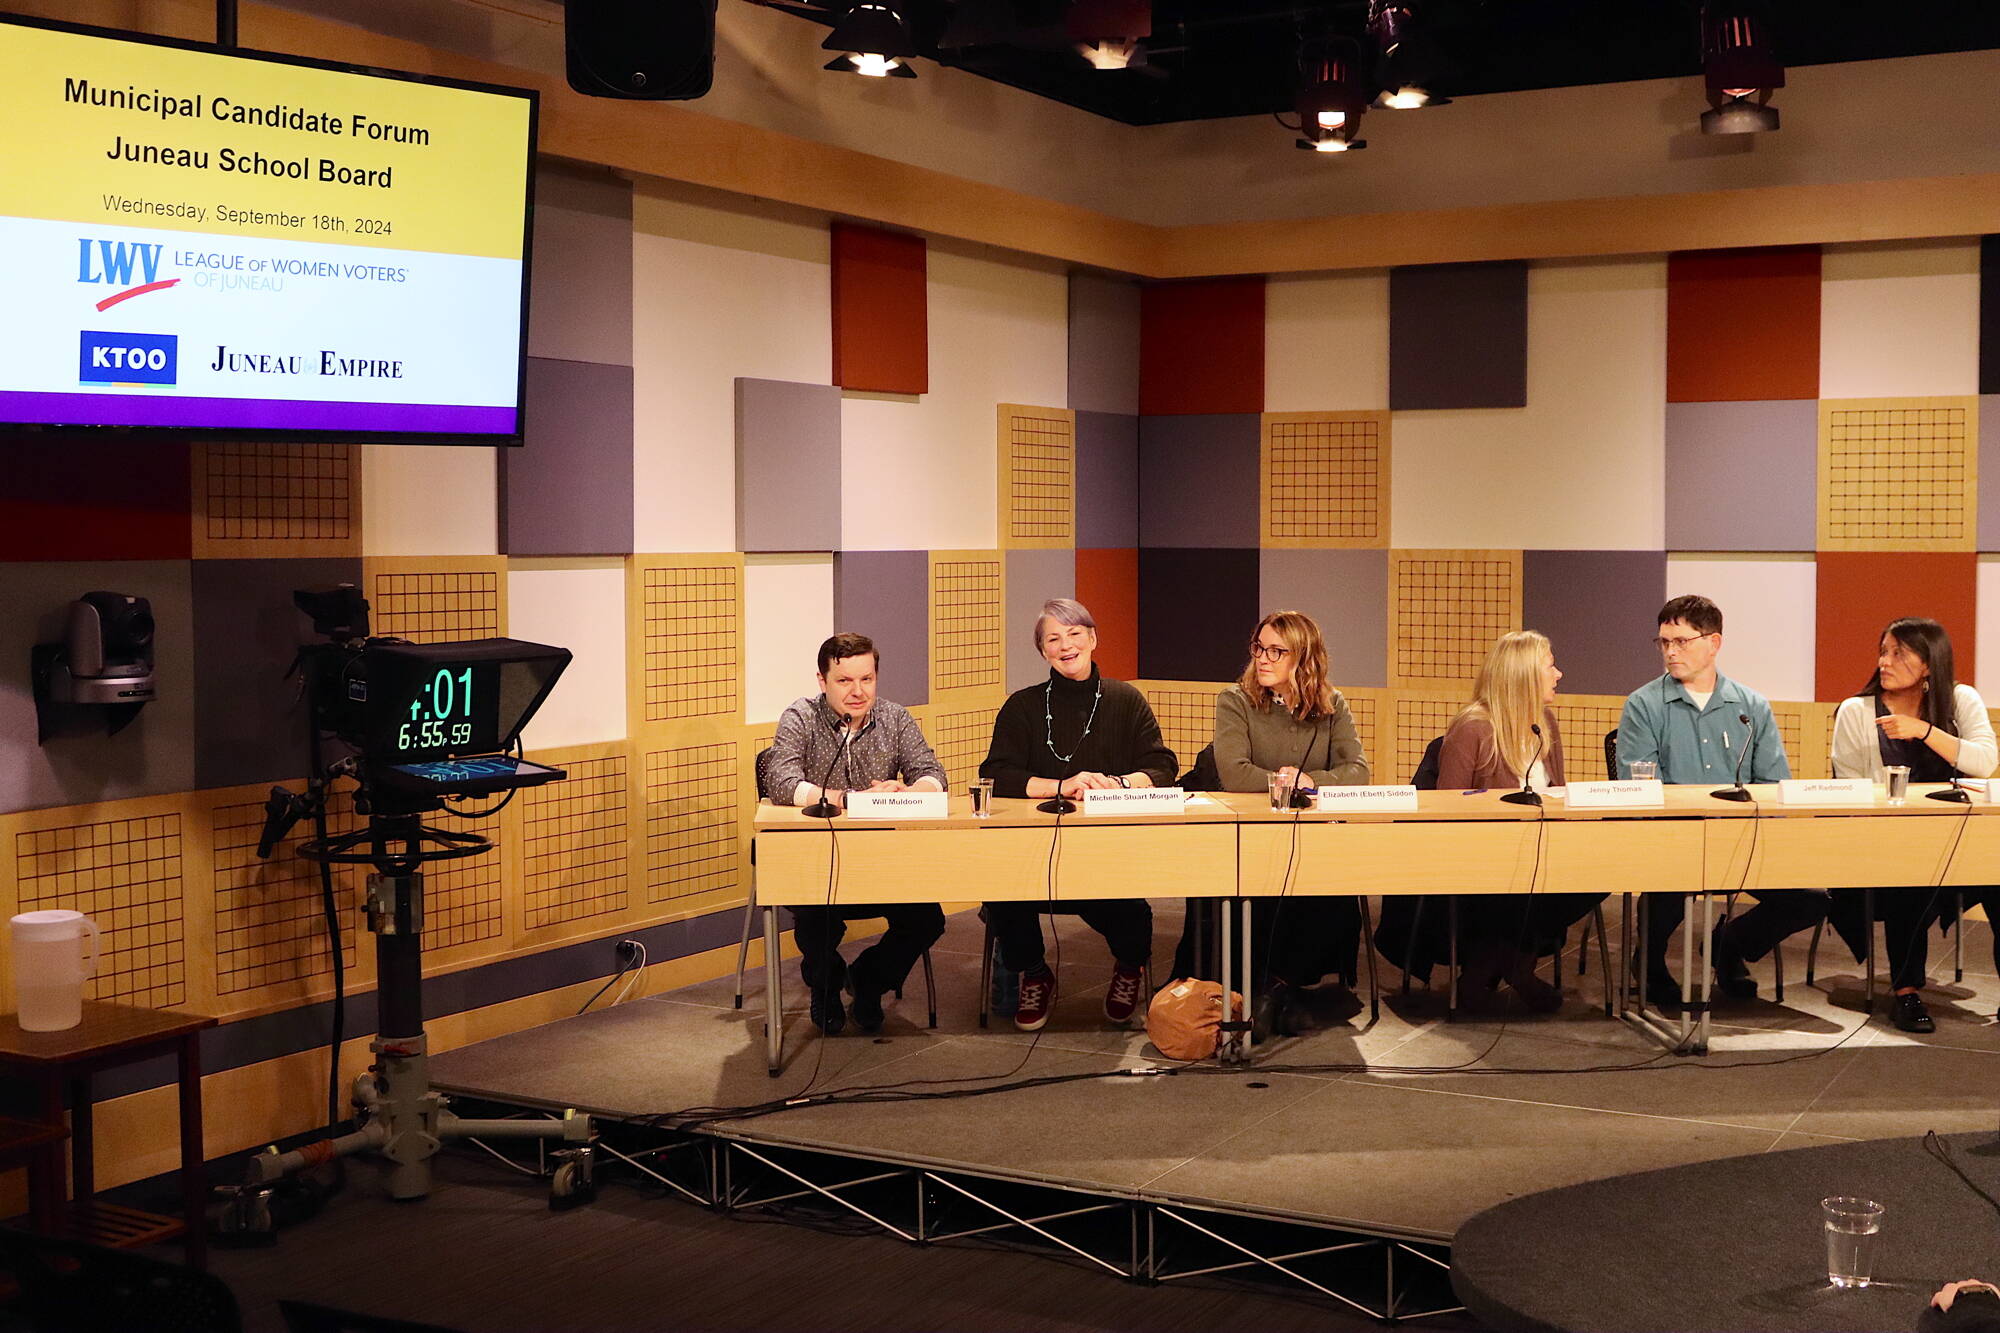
1304,1134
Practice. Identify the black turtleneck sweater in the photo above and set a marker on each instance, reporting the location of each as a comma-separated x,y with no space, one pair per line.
1124,738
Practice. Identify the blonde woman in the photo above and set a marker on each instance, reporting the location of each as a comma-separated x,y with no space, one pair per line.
1506,733
1283,718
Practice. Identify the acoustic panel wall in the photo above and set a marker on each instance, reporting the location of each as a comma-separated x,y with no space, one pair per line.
1369,708
1201,347
1103,344
1107,479
1347,593
787,466
430,499
1742,476
685,630
1769,611
1034,577
1743,325
1989,314
1185,710
579,604
886,595
1989,465
1860,592
103,500
1458,336
1898,474
1326,342
268,925
465,901
1037,448
1198,481
1420,717
581,306
575,840
879,311
1107,582
1899,319
1446,608
437,600
693,857
128,873
1196,610
1324,479
1987,597
960,735
1597,608
286,500
787,614
968,601
568,490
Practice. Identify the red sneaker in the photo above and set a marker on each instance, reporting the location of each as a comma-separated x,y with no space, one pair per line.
1038,999
1122,1000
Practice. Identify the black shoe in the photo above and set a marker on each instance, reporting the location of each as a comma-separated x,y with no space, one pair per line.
867,1006
1663,992
1276,1014
829,1015
1732,974
1908,1013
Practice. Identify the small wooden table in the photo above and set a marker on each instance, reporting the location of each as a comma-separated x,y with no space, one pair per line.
109,1035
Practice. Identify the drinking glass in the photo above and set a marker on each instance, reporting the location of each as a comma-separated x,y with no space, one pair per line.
1645,770
1899,783
1851,1227
982,797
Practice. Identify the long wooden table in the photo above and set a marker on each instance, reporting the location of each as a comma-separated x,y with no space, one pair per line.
1235,847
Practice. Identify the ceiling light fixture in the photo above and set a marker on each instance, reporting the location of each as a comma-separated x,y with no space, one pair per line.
1109,33
873,41
1406,61
1739,68
1332,98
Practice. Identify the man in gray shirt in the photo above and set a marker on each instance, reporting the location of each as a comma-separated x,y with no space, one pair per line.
840,740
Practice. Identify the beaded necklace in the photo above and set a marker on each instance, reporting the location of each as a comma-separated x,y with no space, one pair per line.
1049,720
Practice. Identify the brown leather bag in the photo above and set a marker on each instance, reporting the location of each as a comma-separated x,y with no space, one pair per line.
1185,1018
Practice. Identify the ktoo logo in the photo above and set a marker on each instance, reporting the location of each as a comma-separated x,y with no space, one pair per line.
128,358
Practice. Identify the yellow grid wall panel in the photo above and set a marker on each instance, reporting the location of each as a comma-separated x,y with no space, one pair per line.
1037,449
692,844
1186,714
464,900
277,499
269,919
436,606
1367,705
1584,719
1325,479
126,875
575,844
1421,717
1807,732
1446,608
968,611
960,737
690,639
1898,474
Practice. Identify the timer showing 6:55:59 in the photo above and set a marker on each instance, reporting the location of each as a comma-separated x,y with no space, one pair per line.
440,714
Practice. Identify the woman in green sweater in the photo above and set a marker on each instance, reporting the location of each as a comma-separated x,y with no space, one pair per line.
1284,718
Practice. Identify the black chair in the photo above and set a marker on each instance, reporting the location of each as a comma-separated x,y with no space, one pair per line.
78,1288
763,767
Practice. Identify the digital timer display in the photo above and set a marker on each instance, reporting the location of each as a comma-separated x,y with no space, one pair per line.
451,709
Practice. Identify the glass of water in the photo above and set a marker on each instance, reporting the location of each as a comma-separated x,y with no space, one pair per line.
1851,1227
1645,770
1899,783
981,791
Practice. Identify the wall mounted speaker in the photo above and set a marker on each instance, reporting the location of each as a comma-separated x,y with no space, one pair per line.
646,50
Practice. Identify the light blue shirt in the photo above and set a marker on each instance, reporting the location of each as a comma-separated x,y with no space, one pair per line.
1701,745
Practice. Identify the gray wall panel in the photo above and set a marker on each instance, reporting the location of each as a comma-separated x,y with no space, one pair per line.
1742,476
1597,608
1103,344
1989,471
1347,592
580,305
1033,577
886,595
1458,336
1107,480
568,489
787,466
1198,481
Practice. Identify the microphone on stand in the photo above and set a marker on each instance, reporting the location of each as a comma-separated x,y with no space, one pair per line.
1953,793
1059,804
1739,792
1528,796
823,808
1296,799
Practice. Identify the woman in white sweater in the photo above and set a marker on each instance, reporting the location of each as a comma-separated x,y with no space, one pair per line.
1912,712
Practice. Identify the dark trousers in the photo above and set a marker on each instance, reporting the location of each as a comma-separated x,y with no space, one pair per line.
1297,940
882,966
1536,924
1778,913
1125,923
1906,916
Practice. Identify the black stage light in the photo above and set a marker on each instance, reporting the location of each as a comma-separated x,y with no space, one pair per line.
1739,68
873,41
1407,60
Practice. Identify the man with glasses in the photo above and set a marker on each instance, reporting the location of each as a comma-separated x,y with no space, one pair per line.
1700,727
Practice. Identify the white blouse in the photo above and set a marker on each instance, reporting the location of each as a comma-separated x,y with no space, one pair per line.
1857,751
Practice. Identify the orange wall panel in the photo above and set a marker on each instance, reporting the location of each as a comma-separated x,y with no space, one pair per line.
1201,347
881,321
1743,325
1861,591
1107,582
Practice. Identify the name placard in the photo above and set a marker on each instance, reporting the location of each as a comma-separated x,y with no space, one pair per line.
1338,799
1626,792
897,804
1135,801
1826,791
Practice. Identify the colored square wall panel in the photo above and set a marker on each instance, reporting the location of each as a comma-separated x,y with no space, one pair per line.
1201,346
1107,479
1326,342
580,605
94,500
1989,314
1458,336
1769,615
1741,476
1034,577
1989,468
249,725
581,306
787,466
1107,582
1898,474
1861,591
1899,319
154,754
1197,608
1743,325
1987,681
1103,344
1347,592
886,595
880,311
1597,608
1198,481
568,489
787,614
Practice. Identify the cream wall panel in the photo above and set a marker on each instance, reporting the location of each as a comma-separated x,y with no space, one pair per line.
1988,658
787,614
1768,606
578,604
1582,466
1326,343
1899,320
919,473
429,499
720,289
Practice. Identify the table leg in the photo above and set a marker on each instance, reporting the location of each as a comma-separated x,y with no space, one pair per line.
1226,1048
194,1182
82,1149
1689,984
46,1187
1249,1033
774,1035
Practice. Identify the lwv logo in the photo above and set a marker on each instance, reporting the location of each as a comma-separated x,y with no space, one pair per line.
116,263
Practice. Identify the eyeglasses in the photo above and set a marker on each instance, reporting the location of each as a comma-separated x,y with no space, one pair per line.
1669,645
1272,651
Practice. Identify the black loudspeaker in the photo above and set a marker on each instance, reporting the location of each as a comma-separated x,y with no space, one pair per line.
646,50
